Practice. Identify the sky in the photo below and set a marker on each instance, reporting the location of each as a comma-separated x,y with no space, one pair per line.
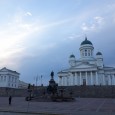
38,36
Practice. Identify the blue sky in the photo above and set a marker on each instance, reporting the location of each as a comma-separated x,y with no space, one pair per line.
38,36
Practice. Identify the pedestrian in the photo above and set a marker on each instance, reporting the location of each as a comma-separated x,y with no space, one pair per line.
10,100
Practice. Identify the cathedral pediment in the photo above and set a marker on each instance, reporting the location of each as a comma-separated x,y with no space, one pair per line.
85,65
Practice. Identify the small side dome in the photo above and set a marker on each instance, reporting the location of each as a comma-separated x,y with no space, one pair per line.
98,53
86,42
72,56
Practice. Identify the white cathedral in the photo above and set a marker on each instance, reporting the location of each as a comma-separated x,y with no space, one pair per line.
88,70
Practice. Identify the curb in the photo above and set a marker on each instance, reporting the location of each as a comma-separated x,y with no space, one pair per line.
35,113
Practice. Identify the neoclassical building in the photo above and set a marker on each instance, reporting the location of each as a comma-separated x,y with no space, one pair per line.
9,78
88,70
22,85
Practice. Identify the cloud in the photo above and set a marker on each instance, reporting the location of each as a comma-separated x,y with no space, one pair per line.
28,14
96,23
99,20
75,36
17,33
13,37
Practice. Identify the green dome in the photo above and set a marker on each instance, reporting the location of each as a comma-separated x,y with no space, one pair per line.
86,42
98,53
72,56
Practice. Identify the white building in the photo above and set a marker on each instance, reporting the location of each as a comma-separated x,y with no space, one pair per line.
88,70
22,85
9,78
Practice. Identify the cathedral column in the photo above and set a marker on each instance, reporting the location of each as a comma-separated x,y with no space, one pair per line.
113,79
90,53
86,78
96,78
109,79
71,79
67,80
80,77
60,80
103,79
91,78
75,78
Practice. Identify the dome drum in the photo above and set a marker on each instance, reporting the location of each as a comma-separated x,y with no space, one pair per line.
86,47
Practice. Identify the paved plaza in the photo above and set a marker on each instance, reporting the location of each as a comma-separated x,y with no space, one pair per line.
82,106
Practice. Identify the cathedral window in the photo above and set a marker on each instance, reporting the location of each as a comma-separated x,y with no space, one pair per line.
4,78
78,73
73,74
85,52
15,80
88,73
9,78
88,52
1,78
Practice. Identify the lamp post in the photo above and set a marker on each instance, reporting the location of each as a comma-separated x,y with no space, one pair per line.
36,78
41,80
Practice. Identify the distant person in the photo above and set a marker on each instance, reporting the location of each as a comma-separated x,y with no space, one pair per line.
10,100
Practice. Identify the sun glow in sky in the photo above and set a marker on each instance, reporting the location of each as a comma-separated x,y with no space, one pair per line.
38,36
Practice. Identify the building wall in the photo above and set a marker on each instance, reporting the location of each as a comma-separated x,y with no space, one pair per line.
89,78
90,91
77,91
23,85
9,78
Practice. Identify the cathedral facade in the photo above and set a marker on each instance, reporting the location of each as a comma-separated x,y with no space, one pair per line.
88,70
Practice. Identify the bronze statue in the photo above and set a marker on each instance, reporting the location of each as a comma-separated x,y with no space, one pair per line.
52,74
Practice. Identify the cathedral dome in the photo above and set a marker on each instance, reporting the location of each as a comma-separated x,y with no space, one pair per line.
98,53
72,56
86,42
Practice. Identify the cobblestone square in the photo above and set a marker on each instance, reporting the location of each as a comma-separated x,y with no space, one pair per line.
82,106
